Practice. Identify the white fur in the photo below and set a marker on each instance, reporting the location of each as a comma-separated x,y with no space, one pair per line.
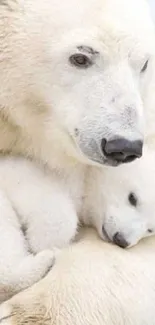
48,210
31,201
92,283
107,204
57,114
54,112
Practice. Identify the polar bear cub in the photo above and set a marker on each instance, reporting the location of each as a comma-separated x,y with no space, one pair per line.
123,207
40,211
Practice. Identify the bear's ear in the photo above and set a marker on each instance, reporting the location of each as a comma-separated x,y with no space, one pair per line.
9,4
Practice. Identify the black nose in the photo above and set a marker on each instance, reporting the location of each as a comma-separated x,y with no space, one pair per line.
121,149
119,240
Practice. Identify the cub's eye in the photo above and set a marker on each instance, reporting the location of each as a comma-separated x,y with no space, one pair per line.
145,66
80,60
150,231
132,199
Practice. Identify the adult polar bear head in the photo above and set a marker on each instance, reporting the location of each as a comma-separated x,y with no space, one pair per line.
72,78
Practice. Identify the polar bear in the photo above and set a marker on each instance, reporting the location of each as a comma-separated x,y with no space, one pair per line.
92,282
118,202
122,210
73,79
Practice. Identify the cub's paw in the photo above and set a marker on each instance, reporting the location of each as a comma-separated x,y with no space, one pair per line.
32,269
42,263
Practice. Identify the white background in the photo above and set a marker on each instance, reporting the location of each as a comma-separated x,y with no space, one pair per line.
152,5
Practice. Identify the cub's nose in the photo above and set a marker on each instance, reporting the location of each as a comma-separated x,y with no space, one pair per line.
121,149
119,240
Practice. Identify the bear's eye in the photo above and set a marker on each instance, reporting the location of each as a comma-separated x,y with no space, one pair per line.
132,199
145,66
80,60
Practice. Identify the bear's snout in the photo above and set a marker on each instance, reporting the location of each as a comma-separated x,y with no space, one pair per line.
119,240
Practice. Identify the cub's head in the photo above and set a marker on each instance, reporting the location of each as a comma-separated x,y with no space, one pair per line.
128,201
76,71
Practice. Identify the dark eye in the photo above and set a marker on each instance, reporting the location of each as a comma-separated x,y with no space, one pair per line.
150,231
80,60
132,199
145,66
